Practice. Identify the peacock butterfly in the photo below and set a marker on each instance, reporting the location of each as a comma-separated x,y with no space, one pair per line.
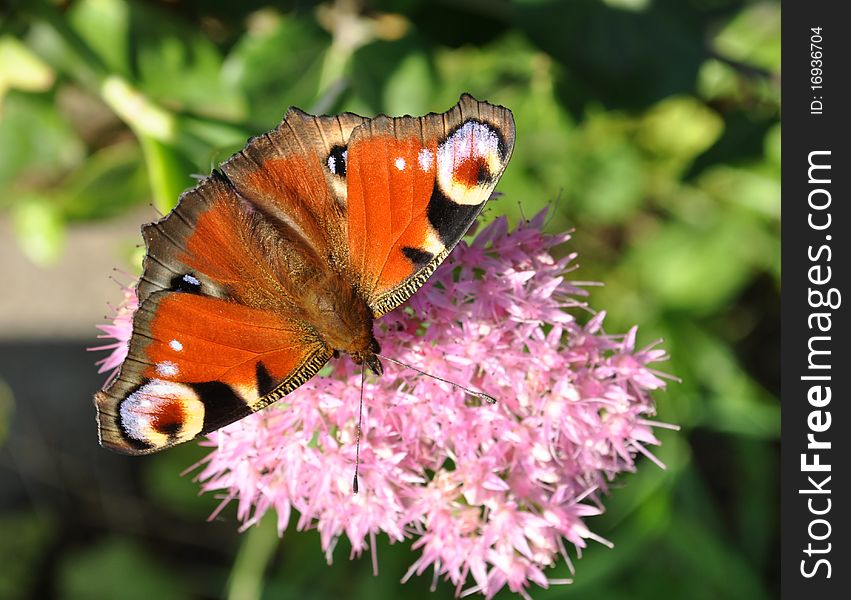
283,258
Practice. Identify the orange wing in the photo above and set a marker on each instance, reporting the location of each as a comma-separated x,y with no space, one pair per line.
218,333
295,174
415,185
196,364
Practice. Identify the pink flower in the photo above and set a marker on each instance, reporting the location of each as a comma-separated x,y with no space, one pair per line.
488,492
119,330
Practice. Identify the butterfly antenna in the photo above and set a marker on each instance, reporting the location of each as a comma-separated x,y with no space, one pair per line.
360,420
476,394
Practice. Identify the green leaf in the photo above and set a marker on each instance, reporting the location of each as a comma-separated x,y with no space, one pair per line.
370,68
753,36
38,143
277,64
717,393
678,129
772,147
104,26
40,229
610,187
21,69
58,43
718,80
168,172
746,189
408,89
723,572
742,140
699,267
215,140
179,68
7,408
508,70
108,183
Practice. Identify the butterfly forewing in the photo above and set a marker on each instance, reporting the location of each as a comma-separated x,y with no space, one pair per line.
415,185
295,175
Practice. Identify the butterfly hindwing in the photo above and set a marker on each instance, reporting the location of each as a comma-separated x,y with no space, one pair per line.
197,363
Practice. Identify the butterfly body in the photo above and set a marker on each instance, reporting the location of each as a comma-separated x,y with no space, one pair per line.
342,320
286,256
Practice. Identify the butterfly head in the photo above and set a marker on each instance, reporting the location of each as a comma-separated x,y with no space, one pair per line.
370,358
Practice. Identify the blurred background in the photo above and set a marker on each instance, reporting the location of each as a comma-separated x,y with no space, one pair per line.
653,125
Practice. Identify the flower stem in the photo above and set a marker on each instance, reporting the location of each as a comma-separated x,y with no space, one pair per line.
166,172
138,111
255,553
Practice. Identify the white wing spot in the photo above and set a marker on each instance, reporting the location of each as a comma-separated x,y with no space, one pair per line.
175,345
167,368
400,163
191,279
425,158
332,164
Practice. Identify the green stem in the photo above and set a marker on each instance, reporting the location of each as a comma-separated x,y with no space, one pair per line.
258,546
158,130
92,70
167,171
137,110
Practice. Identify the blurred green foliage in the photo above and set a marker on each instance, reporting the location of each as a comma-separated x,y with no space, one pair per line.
654,123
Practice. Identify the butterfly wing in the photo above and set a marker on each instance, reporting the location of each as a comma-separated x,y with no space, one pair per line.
414,187
296,175
218,334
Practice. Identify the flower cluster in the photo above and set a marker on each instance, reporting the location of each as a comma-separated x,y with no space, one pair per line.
119,331
488,492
